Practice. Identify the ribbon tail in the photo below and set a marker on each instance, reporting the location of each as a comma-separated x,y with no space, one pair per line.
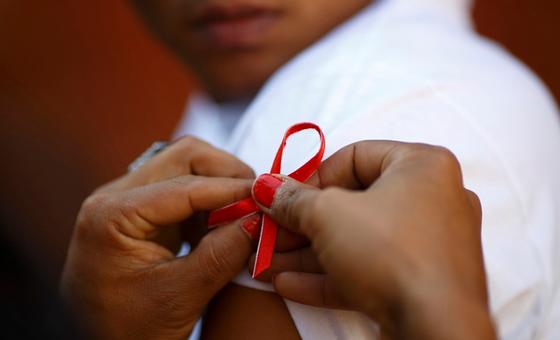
265,250
232,212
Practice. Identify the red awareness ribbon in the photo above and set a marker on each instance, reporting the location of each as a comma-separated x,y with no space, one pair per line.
247,206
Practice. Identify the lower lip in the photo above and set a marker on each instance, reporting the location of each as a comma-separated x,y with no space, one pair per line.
245,32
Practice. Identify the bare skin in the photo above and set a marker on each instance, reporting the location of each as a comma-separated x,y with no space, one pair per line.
405,214
122,275
234,46
394,234
247,303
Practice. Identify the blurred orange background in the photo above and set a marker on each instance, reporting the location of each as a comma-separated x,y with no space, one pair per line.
84,89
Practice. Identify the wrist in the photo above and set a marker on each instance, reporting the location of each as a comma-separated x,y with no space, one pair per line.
428,309
432,311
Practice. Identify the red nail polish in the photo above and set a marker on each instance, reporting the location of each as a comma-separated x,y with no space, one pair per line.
264,189
252,226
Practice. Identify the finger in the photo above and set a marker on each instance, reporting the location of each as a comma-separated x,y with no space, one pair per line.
202,159
186,156
287,241
302,260
139,212
309,289
288,202
355,166
298,207
475,203
218,258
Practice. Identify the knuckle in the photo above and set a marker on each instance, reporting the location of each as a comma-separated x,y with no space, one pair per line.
102,215
436,159
92,206
476,203
204,159
93,214
123,211
187,143
191,146
443,158
473,197
193,154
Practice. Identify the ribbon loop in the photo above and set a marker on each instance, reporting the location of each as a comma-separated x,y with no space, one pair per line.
247,206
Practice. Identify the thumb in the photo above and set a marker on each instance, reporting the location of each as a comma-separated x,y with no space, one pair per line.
218,258
290,203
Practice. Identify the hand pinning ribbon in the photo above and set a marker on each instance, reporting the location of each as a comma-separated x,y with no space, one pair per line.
247,206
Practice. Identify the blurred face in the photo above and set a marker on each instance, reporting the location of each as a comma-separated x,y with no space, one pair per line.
235,45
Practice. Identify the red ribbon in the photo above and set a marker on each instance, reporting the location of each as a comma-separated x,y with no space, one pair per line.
247,206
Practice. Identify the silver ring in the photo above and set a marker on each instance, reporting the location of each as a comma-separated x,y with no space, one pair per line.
150,152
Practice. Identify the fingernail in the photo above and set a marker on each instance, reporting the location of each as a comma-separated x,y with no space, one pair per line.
264,189
252,226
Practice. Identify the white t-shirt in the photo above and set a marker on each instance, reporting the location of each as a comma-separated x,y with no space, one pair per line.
414,70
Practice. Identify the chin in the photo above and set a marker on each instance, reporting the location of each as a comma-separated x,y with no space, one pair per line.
238,86
233,92
237,75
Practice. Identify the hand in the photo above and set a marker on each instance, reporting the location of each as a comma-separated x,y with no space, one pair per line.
186,156
394,234
127,284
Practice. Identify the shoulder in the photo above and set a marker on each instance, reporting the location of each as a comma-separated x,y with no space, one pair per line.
372,64
442,84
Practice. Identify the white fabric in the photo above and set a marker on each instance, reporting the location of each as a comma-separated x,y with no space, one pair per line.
210,121
414,70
